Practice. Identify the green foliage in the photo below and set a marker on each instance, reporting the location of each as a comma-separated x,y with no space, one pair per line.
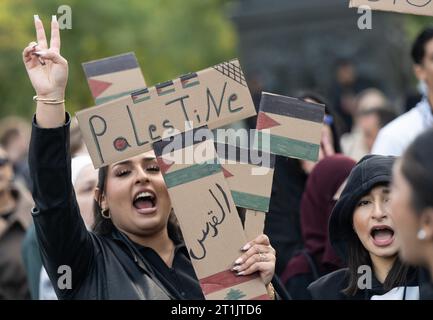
169,38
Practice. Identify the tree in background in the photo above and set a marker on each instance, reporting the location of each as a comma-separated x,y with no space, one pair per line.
169,38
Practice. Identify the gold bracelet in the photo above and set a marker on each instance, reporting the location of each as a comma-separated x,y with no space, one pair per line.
271,291
48,101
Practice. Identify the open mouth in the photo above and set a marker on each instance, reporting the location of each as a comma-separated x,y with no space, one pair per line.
145,202
382,235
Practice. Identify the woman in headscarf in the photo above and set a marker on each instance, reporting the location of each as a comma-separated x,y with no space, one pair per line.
362,232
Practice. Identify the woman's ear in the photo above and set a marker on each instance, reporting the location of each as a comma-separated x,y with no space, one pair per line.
426,224
100,198
419,72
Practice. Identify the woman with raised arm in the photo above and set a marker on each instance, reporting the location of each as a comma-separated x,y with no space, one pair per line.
135,252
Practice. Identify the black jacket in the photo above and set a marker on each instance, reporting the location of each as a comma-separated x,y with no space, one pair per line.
330,287
103,267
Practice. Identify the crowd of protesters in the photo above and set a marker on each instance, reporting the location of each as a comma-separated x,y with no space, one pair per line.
365,209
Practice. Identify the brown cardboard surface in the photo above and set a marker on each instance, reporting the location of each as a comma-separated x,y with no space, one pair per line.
212,230
254,224
128,126
418,7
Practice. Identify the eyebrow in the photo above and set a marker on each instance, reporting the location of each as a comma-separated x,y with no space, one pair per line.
127,162
386,190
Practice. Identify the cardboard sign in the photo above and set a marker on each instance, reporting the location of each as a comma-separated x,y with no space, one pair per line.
295,127
250,182
208,218
113,77
128,126
254,224
418,7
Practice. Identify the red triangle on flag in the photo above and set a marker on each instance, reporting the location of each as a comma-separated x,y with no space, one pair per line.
265,122
164,164
227,174
98,86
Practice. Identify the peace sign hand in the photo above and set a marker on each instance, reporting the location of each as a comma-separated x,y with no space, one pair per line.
47,69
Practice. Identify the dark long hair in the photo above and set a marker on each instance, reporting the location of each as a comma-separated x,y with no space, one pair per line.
103,226
417,168
359,256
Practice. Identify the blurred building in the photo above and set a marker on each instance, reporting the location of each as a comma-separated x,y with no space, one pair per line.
286,45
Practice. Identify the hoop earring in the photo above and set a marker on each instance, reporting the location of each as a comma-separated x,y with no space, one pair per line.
421,234
104,213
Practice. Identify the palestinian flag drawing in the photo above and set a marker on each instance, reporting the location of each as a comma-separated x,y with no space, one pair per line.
113,77
250,182
140,96
207,215
289,127
164,88
189,80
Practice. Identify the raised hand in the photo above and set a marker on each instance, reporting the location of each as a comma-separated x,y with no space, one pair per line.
48,73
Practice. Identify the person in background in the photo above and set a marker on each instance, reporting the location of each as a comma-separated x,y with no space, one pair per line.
78,147
371,121
362,232
394,138
353,143
14,138
283,221
347,85
412,205
15,206
317,258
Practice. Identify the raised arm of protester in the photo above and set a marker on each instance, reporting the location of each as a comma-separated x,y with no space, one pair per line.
65,242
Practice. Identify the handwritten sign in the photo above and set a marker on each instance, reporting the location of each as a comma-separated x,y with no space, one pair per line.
295,127
208,218
418,7
249,177
113,77
128,126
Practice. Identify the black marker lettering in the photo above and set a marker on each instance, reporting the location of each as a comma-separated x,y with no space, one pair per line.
95,135
137,139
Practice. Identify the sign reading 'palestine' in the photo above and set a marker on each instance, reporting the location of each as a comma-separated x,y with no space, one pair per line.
125,127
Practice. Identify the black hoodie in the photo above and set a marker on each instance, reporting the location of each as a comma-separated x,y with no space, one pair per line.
370,171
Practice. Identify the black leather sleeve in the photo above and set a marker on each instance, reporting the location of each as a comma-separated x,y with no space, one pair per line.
62,235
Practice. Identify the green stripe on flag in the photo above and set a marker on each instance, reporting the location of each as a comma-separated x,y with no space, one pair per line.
194,172
102,100
286,147
251,201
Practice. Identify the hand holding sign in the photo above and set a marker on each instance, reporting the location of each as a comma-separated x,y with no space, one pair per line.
259,257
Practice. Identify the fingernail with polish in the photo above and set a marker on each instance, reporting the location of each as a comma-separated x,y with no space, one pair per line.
36,17
240,273
236,268
246,247
238,261
53,18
